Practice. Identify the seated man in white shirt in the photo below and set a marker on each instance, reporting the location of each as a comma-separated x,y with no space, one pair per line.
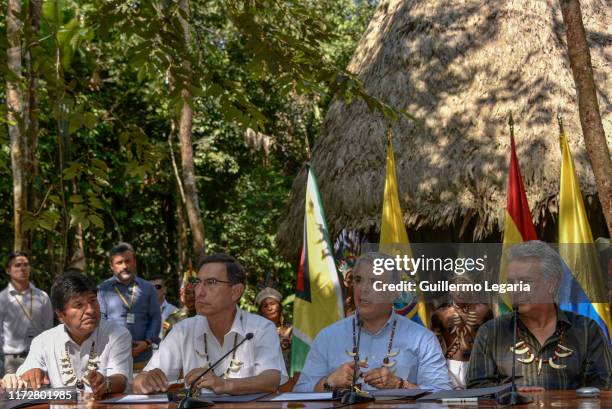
196,343
82,351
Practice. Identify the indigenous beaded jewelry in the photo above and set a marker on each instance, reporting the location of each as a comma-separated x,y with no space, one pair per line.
561,351
234,366
462,327
390,354
68,372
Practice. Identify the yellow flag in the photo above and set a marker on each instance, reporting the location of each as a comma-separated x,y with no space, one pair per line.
582,261
393,235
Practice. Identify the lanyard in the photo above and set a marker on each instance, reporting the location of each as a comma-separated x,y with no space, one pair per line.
133,292
29,316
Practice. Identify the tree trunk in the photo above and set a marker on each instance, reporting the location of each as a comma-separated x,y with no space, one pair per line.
192,203
15,117
182,241
189,182
77,258
35,11
590,118
31,140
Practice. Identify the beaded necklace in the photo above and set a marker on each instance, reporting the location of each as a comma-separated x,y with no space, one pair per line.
386,361
68,372
462,327
561,351
234,365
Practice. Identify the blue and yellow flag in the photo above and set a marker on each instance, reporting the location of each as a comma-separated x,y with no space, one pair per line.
581,277
393,232
318,298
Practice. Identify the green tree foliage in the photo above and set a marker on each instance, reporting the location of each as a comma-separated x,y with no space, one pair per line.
263,72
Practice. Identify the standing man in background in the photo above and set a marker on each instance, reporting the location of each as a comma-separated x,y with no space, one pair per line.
159,282
25,312
187,297
131,301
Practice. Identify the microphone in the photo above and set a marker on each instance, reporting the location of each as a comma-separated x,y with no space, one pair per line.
513,397
356,352
189,402
353,395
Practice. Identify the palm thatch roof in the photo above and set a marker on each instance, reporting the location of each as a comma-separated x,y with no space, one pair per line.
460,66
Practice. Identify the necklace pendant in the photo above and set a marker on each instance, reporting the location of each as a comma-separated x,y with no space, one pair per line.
540,366
79,384
388,364
235,365
554,365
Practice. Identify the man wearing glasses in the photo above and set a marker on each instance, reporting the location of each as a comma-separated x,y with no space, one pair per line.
196,343
159,282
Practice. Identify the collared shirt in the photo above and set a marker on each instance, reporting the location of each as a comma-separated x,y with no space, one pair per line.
590,363
16,329
419,358
166,309
183,348
113,348
147,315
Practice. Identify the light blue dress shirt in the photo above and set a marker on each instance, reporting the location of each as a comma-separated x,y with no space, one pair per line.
419,361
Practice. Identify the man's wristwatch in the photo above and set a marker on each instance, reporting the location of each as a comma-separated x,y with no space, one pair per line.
327,386
108,383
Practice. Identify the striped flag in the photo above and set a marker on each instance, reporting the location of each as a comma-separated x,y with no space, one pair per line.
582,276
318,299
393,232
518,226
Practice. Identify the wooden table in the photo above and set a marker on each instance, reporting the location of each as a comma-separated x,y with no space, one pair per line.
542,400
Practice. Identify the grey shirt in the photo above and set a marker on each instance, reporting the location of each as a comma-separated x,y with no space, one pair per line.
17,329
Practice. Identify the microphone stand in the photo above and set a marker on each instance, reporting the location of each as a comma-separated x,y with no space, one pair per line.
513,397
189,402
354,395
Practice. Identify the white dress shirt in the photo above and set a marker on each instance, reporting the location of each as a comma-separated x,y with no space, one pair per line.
113,347
16,329
183,348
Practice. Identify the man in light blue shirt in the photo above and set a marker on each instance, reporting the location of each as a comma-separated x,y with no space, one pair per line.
394,352
131,302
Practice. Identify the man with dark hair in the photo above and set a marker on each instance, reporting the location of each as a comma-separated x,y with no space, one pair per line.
194,344
82,351
187,297
131,301
159,282
25,312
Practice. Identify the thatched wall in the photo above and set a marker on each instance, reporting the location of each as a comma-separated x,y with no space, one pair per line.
461,67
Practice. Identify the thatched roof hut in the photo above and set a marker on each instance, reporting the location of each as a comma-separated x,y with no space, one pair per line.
460,66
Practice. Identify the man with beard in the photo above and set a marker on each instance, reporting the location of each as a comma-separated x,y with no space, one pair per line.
82,351
196,343
393,351
131,302
25,312
555,349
